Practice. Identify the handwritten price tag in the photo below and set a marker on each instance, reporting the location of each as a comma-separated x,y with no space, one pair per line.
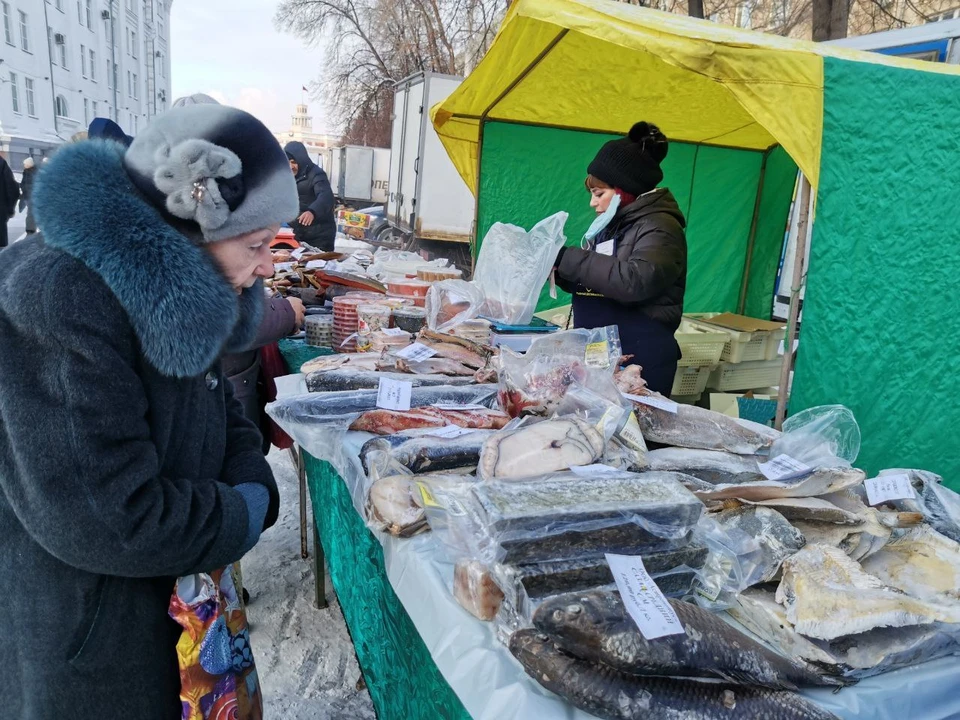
895,486
416,352
648,607
661,403
784,467
394,332
394,394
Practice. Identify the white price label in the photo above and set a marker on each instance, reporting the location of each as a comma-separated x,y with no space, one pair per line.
443,406
592,470
784,467
895,486
631,435
450,431
394,332
298,253
416,352
316,264
661,403
648,607
283,267
605,248
394,394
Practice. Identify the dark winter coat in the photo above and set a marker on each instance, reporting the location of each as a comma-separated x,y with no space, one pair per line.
119,444
639,287
316,195
9,191
243,368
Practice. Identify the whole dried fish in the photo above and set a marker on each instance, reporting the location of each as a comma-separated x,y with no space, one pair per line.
695,427
614,695
940,505
922,562
427,453
347,378
358,361
815,509
596,626
456,348
394,504
434,366
778,539
820,482
828,595
711,466
543,447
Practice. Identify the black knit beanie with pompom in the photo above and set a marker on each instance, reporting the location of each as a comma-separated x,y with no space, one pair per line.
632,164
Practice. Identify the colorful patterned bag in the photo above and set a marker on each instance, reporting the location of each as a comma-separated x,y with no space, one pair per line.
218,678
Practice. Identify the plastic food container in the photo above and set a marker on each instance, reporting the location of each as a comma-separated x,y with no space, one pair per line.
319,330
407,288
428,273
411,319
373,317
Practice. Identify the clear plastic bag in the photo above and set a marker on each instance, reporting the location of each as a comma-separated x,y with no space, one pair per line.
533,446
606,415
513,265
733,564
451,302
819,436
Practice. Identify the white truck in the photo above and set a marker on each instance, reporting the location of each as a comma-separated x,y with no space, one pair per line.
429,204
935,42
359,175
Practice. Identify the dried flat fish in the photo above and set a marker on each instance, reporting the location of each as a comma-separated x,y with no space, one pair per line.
815,509
542,447
595,626
394,504
844,537
828,595
564,516
435,366
820,482
348,378
873,533
456,348
940,505
607,693
695,427
427,453
853,656
778,539
922,562
358,361
711,466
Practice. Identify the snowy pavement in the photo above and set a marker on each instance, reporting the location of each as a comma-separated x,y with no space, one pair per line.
305,658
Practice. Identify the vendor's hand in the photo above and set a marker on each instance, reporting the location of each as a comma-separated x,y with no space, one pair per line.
298,310
306,218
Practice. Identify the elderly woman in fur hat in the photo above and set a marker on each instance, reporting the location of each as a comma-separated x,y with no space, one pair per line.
125,461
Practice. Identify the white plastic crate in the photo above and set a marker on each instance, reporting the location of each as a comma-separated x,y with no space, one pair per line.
690,380
742,346
745,375
700,345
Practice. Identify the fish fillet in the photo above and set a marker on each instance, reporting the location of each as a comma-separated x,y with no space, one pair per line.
389,422
539,448
820,482
827,595
923,563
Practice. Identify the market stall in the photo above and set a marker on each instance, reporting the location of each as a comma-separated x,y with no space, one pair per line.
873,135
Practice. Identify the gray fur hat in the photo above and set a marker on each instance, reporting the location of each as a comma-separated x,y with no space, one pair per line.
214,171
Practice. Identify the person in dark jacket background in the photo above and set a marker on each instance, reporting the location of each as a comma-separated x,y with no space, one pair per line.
9,195
315,224
634,272
125,460
107,129
26,190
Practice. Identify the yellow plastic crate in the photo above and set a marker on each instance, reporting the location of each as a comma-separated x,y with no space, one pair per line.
742,346
700,345
690,380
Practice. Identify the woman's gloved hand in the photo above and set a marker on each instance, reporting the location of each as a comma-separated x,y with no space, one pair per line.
257,499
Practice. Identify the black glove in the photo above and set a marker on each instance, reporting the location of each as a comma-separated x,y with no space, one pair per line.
556,263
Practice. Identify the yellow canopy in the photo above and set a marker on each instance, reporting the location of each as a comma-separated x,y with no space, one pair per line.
601,66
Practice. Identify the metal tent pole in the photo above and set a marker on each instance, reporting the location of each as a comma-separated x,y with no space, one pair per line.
798,271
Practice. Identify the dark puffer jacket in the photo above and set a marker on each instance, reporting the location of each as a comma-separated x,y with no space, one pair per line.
316,195
639,286
120,444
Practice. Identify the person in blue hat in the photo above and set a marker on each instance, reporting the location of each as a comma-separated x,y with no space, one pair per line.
109,130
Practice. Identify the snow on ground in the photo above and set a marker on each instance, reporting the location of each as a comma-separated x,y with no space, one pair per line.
304,656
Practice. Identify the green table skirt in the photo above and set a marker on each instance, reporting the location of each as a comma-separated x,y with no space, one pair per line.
403,680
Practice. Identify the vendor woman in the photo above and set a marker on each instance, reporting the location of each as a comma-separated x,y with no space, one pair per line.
633,270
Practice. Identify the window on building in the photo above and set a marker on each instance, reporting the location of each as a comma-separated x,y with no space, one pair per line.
781,12
109,75
96,113
83,60
80,12
31,106
160,26
62,50
744,11
86,111
60,5
93,65
133,44
129,84
88,12
15,93
163,66
24,32
126,38
136,88
7,24
61,106
53,57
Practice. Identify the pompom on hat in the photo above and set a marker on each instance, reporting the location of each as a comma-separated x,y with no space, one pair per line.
632,163
214,171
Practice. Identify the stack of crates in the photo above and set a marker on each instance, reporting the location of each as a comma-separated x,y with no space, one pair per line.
749,360
701,347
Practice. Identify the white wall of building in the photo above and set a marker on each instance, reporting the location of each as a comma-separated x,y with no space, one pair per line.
64,50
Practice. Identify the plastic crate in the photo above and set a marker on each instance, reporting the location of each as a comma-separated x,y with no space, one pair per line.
742,346
690,380
700,345
745,375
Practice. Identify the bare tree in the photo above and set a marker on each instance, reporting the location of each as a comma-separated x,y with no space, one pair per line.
370,44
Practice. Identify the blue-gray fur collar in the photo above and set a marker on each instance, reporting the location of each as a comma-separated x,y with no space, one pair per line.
182,309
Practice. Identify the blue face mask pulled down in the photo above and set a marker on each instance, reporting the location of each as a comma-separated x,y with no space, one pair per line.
601,221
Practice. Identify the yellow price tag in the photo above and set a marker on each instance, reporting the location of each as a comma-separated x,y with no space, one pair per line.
598,355
631,434
428,499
